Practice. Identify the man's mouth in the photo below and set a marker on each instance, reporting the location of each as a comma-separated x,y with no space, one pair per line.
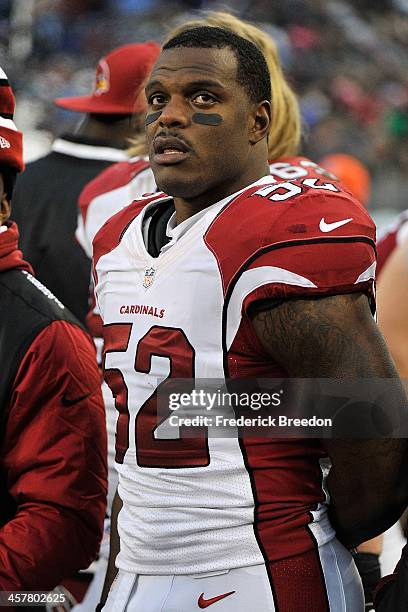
169,150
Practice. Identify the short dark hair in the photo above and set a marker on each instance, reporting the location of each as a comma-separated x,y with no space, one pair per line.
252,69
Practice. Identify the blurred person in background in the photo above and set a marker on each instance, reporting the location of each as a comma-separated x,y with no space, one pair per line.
53,439
392,301
351,172
46,194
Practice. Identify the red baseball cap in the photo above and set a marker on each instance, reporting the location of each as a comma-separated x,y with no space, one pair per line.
11,140
119,82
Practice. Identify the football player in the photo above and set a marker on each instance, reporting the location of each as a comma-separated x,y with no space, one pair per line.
235,274
121,183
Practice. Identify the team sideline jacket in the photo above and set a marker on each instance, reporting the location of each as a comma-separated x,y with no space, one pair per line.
53,439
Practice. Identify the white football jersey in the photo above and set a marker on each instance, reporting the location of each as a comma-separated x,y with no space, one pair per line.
114,188
204,504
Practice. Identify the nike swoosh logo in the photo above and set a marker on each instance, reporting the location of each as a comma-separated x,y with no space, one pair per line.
68,401
204,603
329,227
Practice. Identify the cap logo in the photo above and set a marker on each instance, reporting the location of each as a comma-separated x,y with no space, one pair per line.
102,79
4,143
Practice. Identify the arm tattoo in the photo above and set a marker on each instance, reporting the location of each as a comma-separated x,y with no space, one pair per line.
337,337
325,337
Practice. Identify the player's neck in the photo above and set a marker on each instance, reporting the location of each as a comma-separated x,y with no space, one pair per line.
117,133
187,207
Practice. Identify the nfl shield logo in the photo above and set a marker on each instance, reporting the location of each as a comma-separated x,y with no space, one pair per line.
148,277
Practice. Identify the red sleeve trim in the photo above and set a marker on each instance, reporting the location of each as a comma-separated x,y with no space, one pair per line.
385,247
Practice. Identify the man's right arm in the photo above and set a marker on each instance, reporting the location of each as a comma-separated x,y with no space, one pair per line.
336,337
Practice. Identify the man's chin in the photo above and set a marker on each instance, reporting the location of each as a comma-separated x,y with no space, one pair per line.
179,187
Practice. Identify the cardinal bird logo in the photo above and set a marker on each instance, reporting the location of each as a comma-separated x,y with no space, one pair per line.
102,79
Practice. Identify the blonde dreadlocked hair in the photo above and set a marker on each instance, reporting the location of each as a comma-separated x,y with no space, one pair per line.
285,128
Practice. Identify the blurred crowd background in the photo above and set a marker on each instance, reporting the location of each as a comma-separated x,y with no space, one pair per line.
346,59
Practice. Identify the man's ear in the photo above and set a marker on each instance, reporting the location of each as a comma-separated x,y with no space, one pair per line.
261,122
5,208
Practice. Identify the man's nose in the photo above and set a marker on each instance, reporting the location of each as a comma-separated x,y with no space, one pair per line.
175,113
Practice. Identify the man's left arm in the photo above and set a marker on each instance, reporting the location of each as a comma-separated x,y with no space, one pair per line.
336,337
